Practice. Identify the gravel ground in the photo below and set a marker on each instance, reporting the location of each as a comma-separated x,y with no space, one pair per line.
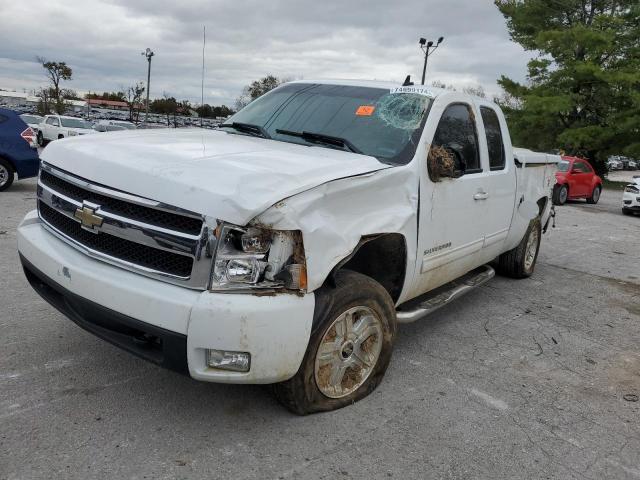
520,379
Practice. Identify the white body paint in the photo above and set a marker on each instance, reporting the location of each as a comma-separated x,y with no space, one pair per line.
333,197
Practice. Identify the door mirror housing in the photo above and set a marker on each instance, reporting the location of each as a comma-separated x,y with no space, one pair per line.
444,161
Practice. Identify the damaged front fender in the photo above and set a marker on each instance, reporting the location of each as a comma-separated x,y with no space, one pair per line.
333,217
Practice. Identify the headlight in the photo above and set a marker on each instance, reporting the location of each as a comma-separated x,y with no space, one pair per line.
72,133
631,189
254,257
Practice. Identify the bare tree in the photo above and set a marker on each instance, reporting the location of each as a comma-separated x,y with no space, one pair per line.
256,89
133,98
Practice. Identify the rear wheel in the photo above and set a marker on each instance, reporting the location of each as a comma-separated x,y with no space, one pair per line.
6,175
521,261
595,195
60,136
349,349
41,140
560,194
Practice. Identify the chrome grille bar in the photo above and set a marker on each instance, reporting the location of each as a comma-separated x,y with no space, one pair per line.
117,226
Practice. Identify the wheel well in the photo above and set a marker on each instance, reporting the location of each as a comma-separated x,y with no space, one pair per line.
542,204
381,257
60,136
12,165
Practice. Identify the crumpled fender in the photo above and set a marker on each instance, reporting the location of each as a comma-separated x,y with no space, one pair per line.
334,216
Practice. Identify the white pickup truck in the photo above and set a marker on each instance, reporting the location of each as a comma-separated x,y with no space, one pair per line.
285,247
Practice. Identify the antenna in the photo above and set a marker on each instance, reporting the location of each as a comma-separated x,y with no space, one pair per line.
204,42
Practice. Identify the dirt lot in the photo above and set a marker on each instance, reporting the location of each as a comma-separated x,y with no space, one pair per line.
521,379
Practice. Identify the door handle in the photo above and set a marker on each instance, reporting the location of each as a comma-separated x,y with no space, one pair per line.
481,195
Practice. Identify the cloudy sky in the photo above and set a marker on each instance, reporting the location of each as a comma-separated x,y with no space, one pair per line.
247,39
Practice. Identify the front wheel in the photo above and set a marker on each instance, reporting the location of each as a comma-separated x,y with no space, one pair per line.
560,195
521,261
349,350
595,195
40,138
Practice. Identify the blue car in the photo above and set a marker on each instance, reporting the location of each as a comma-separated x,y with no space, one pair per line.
18,152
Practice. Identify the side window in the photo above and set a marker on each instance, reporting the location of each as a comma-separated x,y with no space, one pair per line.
493,132
581,167
456,133
50,121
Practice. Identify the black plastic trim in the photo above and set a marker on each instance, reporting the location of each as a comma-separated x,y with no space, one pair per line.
157,345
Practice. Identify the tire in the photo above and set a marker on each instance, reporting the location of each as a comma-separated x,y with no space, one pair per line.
626,211
521,261
310,389
41,140
595,195
60,137
560,194
6,175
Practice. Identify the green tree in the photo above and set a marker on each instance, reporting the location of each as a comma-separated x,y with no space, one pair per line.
583,88
256,89
56,73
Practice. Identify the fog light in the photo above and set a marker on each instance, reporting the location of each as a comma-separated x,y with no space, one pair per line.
234,361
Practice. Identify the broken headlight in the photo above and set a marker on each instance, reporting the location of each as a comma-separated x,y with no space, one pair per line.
254,257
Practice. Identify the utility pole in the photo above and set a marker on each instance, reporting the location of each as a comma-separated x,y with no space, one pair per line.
428,48
204,42
147,53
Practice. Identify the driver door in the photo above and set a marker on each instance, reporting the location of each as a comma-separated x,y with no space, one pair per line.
452,210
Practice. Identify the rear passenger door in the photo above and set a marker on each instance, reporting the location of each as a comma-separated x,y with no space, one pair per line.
500,180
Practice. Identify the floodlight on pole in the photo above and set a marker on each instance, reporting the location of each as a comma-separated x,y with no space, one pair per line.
428,48
148,53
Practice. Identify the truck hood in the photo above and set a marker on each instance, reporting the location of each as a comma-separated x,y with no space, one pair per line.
227,176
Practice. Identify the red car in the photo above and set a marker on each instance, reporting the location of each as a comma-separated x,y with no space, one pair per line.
575,178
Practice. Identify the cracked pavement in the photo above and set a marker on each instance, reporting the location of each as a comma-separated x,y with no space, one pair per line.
519,379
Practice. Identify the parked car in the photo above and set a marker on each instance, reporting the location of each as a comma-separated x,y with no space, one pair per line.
32,120
113,125
614,163
576,179
18,149
632,164
285,248
55,127
631,197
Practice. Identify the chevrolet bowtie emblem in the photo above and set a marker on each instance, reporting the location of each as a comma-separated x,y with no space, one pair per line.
88,217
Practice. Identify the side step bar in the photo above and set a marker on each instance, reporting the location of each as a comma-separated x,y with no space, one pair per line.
438,298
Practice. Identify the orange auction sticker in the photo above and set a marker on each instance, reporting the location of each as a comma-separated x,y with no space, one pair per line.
365,110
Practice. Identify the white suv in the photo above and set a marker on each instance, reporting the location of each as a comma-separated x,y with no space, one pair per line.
54,127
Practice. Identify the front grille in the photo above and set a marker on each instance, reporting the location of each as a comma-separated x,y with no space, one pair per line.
119,248
151,216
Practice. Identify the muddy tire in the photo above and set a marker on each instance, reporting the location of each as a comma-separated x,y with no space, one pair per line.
6,174
521,261
352,337
560,194
595,195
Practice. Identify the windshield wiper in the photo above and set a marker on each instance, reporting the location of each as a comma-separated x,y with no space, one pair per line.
321,138
250,128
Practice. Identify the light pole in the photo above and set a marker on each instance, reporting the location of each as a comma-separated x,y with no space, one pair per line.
428,48
147,53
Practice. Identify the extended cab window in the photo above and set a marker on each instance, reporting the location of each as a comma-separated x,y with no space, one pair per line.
493,132
456,133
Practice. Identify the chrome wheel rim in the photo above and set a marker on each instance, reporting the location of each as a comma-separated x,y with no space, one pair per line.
348,352
4,175
596,194
532,249
563,195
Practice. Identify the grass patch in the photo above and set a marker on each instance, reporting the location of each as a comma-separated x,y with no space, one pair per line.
611,185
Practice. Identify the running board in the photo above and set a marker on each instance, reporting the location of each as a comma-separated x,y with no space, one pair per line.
441,296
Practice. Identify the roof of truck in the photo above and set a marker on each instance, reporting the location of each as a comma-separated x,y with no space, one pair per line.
368,83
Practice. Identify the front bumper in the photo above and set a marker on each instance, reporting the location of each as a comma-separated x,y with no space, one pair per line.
631,201
169,325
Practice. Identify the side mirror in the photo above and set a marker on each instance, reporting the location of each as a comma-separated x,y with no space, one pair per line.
444,162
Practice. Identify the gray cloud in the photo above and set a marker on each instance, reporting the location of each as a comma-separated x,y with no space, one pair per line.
102,40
